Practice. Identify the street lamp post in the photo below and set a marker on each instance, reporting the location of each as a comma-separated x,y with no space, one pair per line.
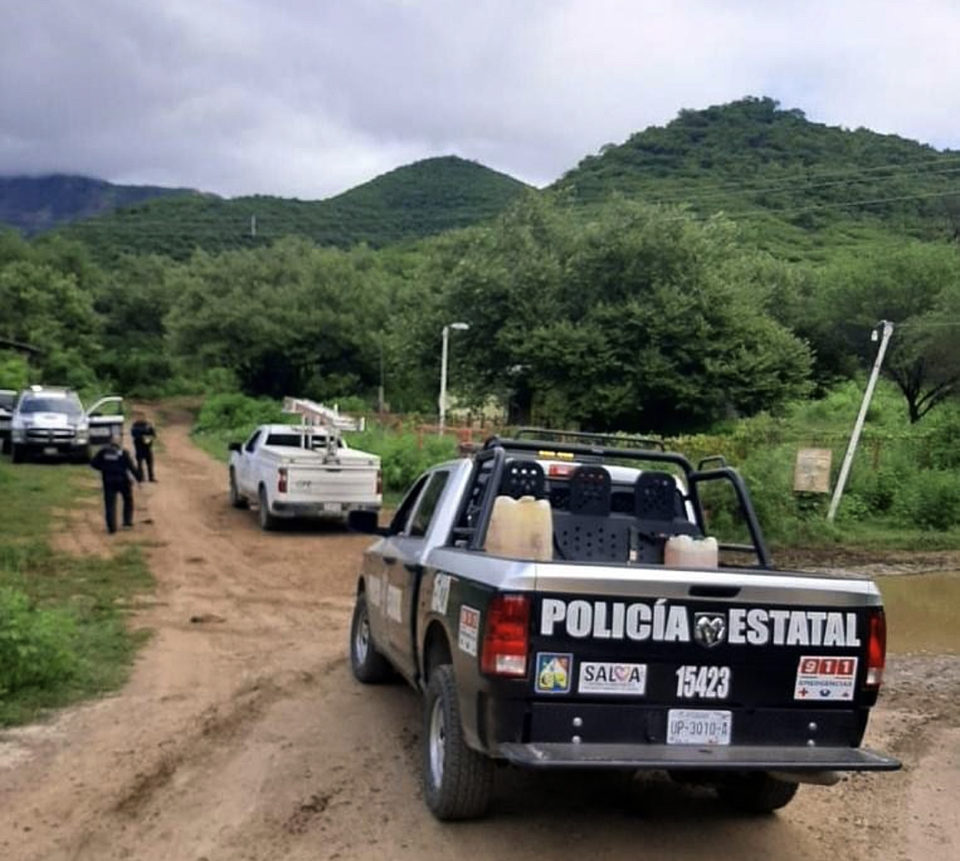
443,370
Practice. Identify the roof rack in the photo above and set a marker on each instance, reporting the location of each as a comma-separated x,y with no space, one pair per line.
313,413
609,439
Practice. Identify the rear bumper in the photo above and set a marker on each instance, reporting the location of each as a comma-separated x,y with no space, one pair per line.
696,758
320,509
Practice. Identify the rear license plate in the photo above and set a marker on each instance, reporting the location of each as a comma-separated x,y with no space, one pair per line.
50,449
698,726
333,507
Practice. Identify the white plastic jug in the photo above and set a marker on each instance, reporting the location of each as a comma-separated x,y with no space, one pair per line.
521,528
684,551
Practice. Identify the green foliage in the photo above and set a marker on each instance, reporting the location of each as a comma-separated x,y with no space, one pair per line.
63,631
228,412
417,200
794,184
404,455
34,644
916,286
901,480
14,371
638,321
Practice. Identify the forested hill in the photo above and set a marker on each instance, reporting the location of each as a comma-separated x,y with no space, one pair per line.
36,203
413,201
793,183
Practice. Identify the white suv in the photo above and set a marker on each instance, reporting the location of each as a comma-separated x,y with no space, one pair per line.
52,421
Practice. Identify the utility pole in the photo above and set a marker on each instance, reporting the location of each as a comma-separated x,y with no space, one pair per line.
443,371
253,226
380,389
887,327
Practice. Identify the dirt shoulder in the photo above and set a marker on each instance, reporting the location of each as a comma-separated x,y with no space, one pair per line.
242,736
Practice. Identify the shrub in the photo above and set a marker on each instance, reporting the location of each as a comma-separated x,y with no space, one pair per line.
234,410
403,455
937,500
34,644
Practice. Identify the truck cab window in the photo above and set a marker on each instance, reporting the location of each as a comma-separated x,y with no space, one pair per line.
400,519
252,442
428,504
287,440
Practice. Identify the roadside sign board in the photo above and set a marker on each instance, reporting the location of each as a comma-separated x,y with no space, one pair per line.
812,472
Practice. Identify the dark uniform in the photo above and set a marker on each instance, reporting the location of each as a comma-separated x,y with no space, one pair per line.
143,435
115,467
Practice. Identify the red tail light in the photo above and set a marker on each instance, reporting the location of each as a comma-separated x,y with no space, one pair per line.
379,482
876,648
281,480
506,637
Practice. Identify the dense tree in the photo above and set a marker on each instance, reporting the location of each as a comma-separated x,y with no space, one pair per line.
915,286
637,321
289,319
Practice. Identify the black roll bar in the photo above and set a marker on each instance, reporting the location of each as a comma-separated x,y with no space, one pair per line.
496,447
746,508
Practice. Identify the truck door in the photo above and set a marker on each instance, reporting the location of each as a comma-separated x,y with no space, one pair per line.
106,419
246,474
404,573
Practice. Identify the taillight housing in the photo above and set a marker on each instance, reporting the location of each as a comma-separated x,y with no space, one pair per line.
379,482
506,636
282,480
876,648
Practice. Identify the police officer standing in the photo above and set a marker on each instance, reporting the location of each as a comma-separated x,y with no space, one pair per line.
115,467
143,436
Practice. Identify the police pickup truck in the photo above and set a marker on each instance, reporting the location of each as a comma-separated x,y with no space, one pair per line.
557,603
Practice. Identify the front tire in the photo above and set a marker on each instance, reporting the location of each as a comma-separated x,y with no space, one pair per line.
236,500
368,665
16,453
457,781
757,793
267,520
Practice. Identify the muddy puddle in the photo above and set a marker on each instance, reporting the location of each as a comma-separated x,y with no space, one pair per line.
923,612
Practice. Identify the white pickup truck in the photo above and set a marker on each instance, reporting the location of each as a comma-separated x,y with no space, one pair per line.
304,471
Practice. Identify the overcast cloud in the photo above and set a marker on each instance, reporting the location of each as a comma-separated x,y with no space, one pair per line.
307,98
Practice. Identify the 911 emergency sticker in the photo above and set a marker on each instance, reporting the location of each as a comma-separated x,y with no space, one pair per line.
706,683
469,629
554,672
820,678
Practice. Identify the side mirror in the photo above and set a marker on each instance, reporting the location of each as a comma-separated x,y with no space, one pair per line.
235,446
95,414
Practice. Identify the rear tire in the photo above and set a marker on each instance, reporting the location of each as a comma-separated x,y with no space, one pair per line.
757,793
236,500
457,781
267,520
368,664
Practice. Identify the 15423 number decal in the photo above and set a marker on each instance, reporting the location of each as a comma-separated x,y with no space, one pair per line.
706,683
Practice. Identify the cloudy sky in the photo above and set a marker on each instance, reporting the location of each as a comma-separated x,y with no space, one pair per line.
307,98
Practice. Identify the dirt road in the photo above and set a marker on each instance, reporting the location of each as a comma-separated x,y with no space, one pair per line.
242,735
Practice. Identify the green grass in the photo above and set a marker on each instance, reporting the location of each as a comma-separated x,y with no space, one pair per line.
64,635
